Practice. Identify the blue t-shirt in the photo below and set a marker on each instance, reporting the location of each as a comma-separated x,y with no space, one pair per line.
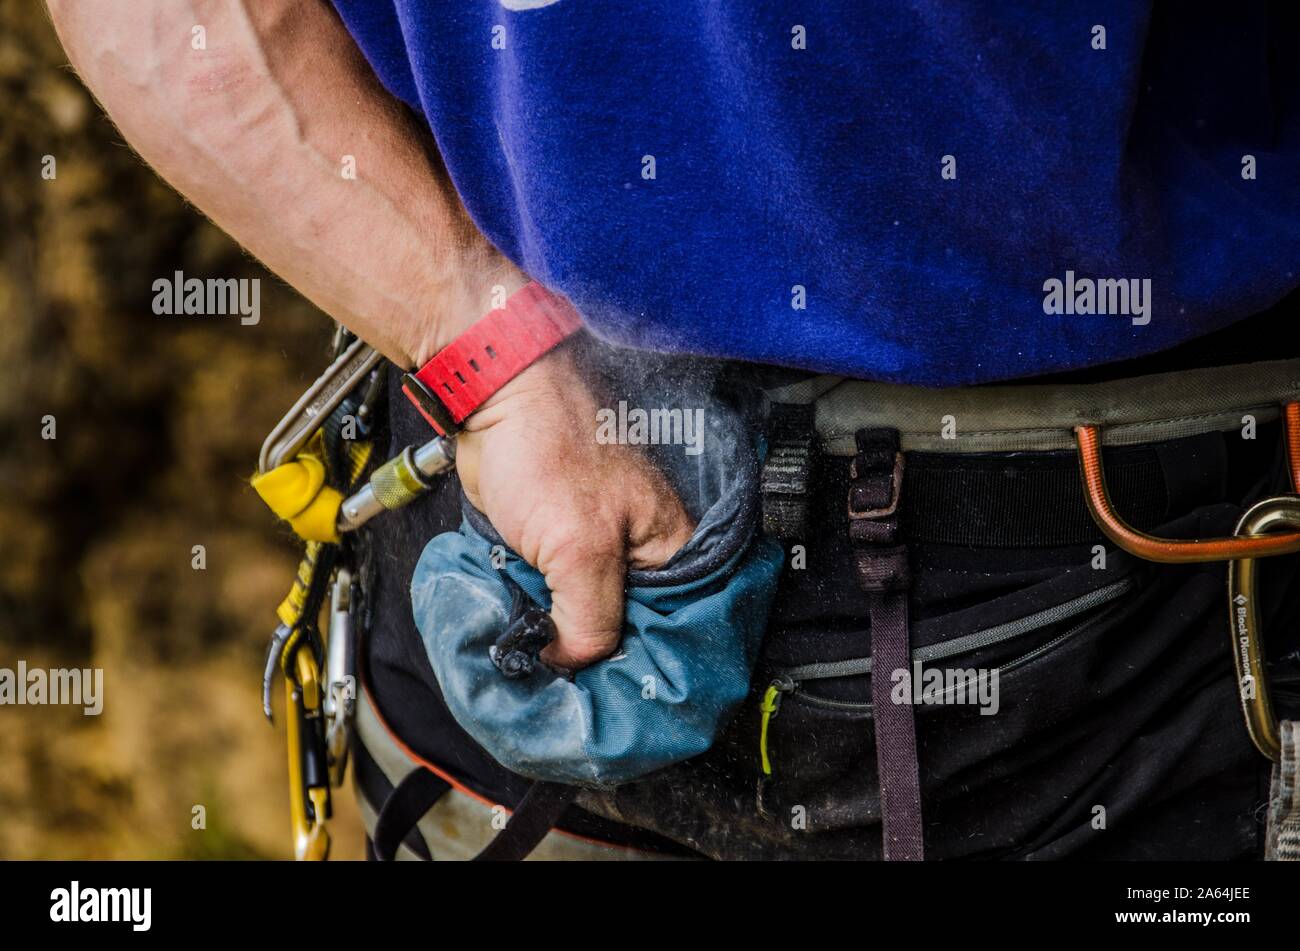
932,192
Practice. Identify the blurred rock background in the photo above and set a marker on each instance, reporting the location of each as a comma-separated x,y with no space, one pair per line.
158,422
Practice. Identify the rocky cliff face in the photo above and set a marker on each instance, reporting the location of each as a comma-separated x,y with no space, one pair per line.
156,422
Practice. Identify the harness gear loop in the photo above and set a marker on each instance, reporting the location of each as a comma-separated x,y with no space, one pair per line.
1177,551
1291,430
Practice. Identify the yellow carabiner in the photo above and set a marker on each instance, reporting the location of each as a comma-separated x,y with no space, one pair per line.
1280,512
311,840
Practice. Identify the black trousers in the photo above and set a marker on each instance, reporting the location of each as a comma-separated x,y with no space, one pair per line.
1117,733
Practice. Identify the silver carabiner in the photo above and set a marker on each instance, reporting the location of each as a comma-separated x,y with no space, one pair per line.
307,415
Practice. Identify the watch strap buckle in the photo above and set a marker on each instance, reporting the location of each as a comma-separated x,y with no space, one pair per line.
431,407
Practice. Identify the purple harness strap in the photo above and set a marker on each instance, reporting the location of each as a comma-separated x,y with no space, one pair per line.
875,484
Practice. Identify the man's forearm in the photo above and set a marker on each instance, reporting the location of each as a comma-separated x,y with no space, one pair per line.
254,130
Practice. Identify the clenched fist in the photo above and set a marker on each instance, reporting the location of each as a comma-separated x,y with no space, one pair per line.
581,512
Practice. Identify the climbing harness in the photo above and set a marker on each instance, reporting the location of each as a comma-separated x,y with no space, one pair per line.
326,484
311,473
831,415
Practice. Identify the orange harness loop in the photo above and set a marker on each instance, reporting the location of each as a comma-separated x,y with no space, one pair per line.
1171,550
1291,422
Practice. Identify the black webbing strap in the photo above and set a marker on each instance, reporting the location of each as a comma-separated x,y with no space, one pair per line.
535,816
416,794
1032,500
784,483
875,484
420,790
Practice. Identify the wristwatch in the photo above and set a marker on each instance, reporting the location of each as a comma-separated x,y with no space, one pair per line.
496,349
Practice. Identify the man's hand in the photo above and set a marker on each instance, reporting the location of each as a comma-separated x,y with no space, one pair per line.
580,511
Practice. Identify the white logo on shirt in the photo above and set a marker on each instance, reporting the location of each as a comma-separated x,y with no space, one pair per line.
526,4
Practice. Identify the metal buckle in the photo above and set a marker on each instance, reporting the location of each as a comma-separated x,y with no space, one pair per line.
431,405
1243,617
895,490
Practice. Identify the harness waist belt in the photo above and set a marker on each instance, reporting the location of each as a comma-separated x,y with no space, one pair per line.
1042,417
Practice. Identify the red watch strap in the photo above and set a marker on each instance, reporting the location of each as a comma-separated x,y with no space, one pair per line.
495,350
